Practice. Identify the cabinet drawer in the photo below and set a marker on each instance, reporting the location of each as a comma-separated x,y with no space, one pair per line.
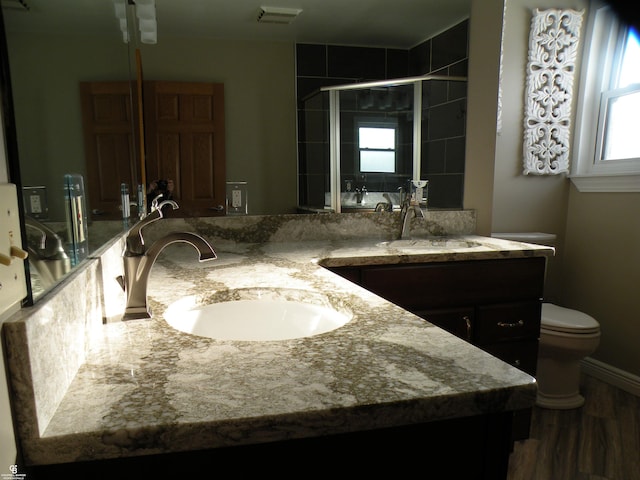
507,322
522,355
458,321
452,284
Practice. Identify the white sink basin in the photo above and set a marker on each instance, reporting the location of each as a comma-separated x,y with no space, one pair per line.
428,243
262,318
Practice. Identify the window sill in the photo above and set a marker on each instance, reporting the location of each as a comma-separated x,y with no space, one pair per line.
607,183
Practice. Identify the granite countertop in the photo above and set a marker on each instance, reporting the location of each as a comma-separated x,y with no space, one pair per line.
147,388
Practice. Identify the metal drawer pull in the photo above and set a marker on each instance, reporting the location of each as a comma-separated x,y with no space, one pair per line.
519,323
467,322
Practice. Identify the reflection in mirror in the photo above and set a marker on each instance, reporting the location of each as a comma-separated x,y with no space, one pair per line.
201,43
48,62
375,138
431,147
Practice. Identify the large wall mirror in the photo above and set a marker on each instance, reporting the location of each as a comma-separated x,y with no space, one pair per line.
59,51
58,66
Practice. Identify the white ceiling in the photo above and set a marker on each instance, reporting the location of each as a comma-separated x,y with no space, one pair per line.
383,23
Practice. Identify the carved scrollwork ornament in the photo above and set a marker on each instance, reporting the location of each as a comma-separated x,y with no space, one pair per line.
553,46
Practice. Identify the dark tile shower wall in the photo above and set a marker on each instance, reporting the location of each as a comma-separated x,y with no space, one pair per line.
443,114
313,150
325,65
444,108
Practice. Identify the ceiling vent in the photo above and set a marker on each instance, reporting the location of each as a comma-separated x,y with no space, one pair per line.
277,15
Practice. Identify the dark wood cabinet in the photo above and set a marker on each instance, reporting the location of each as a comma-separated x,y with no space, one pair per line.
493,304
459,321
469,448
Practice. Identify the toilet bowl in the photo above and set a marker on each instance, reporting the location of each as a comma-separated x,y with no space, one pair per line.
566,337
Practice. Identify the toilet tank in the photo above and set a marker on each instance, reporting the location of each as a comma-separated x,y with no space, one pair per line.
538,238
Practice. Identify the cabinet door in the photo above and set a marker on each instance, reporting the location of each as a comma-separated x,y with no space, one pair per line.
522,355
458,321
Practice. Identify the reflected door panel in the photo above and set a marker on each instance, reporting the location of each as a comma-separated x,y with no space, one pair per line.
184,134
109,145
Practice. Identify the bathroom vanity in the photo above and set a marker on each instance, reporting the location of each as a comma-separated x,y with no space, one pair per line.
408,393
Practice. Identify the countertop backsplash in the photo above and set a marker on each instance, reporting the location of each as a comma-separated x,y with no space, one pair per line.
325,226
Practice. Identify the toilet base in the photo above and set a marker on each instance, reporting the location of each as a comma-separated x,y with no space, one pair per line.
559,402
558,383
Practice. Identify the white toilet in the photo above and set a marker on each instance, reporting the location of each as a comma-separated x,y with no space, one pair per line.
566,337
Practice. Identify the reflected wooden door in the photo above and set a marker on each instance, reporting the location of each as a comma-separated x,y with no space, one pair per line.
109,145
184,136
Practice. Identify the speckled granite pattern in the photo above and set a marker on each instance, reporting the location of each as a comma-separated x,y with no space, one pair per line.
146,388
48,342
326,226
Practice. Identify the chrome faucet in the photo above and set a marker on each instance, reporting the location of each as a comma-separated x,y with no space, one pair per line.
385,206
410,208
48,256
138,261
360,194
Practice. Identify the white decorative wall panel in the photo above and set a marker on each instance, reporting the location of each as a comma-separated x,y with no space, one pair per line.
553,45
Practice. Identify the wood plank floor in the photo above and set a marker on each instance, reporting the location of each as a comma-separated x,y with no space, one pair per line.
600,441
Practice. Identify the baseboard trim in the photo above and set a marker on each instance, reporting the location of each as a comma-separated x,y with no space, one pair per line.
611,375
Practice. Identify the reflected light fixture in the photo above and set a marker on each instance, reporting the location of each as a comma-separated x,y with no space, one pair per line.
146,15
277,15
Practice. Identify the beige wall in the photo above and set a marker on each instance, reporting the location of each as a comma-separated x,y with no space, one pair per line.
45,73
485,25
602,271
597,266
526,203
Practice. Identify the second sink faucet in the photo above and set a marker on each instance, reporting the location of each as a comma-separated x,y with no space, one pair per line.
138,261
409,209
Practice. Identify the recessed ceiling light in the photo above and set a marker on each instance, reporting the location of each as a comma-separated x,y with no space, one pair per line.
277,14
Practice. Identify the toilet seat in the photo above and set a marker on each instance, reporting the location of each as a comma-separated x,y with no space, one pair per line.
560,319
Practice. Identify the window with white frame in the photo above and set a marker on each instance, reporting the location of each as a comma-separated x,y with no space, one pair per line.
607,141
377,148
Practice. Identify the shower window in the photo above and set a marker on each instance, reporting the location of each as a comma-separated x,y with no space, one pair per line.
377,149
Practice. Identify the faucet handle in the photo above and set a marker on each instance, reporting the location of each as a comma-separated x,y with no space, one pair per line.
154,202
135,240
